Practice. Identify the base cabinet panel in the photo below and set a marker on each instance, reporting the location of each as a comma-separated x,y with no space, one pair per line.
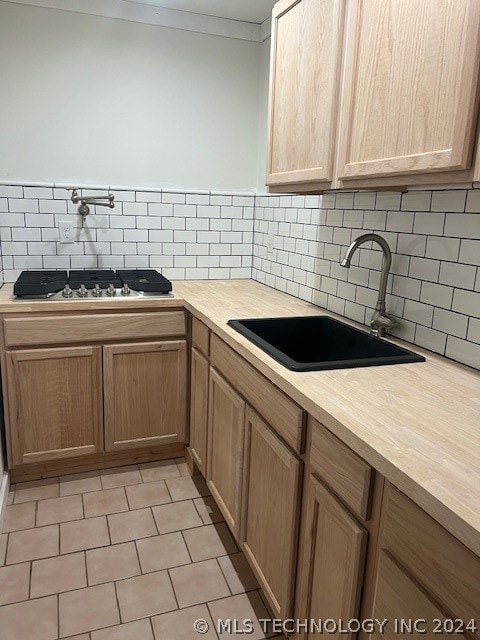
332,560
145,394
271,502
199,409
226,415
55,403
405,606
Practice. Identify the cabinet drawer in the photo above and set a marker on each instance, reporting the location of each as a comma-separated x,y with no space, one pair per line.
201,336
443,565
77,328
279,411
345,472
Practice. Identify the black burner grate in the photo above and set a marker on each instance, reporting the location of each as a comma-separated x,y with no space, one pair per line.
148,280
91,277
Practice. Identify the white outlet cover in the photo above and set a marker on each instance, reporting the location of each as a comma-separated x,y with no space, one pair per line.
66,231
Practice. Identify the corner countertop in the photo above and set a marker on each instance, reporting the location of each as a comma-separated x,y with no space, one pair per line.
418,424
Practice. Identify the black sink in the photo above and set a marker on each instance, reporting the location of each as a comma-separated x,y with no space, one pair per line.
315,343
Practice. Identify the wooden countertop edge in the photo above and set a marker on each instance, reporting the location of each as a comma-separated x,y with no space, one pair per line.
437,507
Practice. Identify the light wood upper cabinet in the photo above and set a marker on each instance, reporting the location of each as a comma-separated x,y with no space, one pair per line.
55,403
271,502
145,394
226,416
409,101
199,409
331,561
304,83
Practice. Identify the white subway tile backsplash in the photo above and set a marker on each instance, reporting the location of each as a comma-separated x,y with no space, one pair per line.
467,302
443,248
52,206
429,223
453,200
463,350
462,225
400,221
424,269
416,201
7,191
23,205
450,322
437,295
434,288
435,274
473,201
135,208
457,275
430,339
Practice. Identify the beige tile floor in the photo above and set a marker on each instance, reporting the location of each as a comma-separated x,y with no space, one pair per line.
132,553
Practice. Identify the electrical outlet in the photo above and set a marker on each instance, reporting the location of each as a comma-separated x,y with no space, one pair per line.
66,231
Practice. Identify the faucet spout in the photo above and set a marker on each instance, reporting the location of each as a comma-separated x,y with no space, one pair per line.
380,322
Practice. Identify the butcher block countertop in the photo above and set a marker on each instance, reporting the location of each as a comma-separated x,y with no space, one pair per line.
418,424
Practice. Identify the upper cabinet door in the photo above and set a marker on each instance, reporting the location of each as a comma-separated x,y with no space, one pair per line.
304,82
409,101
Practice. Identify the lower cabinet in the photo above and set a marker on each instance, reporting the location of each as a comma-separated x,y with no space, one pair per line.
400,600
271,503
55,403
423,574
199,409
226,417
332,559
145,388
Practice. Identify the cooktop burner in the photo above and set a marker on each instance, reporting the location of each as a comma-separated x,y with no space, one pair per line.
146,280
102,277
45,283
91,283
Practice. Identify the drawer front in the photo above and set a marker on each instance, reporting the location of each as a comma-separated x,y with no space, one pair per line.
283,415
345,472
443,565
201,336
75,328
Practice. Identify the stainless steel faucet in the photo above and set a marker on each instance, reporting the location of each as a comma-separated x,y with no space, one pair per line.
380,322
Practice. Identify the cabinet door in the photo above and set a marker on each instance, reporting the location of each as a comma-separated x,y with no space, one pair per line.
55,402
145,394
199,409
226,416
332,559
409,101
304,79
270,512
399,598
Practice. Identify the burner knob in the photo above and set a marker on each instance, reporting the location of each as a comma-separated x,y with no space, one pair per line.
97,292
67,292
111,290
82,292
125,290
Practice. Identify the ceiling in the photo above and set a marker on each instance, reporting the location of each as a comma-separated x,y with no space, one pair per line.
245,10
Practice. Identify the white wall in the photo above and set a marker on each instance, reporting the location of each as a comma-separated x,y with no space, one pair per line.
263,117
95,100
